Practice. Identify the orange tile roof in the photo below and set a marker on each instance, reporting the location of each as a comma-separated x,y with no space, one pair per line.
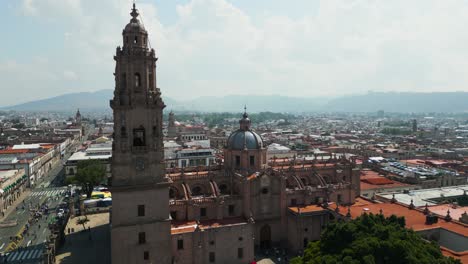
371,180
415,219
378,181
14,151
306,208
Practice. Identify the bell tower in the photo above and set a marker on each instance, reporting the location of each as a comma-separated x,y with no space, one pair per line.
140,190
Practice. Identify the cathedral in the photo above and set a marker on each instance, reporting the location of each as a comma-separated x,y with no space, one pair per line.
214,214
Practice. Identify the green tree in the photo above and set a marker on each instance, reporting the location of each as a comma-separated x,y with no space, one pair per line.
372,239
90,173
82,221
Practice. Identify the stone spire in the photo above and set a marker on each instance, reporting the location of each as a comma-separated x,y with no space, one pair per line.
448,217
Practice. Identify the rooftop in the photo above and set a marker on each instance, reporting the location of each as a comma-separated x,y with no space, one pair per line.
77,156
415,219
421,197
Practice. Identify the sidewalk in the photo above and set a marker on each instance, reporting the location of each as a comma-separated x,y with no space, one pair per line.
86,246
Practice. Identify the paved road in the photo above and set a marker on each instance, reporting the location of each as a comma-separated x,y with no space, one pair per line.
48,191
45,192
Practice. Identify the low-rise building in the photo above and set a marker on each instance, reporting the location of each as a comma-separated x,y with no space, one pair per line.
97,151
12,185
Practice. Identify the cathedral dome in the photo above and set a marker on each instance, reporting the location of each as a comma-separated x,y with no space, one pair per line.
244,137
134,26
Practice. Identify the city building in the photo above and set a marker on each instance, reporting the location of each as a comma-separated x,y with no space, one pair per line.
12,185
96,151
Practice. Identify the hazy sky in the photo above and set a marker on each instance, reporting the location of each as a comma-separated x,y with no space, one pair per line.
216,47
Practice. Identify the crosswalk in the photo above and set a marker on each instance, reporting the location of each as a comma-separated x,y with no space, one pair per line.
48,193
26,255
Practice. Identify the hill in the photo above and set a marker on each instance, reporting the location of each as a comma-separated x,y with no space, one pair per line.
370,102
404,102
87,101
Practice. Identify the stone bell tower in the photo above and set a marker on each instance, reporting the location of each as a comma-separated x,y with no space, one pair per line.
140,207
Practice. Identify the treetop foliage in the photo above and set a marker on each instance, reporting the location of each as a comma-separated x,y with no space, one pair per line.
372,239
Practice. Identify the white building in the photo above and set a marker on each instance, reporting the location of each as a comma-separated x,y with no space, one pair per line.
279,151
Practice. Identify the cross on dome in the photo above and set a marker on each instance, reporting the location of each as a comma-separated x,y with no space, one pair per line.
134,12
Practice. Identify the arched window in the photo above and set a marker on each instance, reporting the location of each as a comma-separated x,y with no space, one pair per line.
137,80
223,189
196,190
172,193
139,137
135,41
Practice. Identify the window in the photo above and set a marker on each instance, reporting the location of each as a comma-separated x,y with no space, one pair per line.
154,131
212,257
304,182
196,190
126,39
123,131
139,137
223,189
265,190
137,80
240,253
339,198
237,161
202,211
306,241
141,238
180,244
293,202
252,160
146,255
231,209
135,40
141,210
174,215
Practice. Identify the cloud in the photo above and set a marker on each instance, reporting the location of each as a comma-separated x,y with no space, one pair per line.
70,75
214,47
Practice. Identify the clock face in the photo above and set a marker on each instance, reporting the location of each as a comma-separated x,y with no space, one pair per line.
140,164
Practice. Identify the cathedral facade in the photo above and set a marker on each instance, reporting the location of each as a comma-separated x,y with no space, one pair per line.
211,214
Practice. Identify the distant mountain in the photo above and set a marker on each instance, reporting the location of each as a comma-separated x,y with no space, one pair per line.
401,102
254,103
370,102
86,101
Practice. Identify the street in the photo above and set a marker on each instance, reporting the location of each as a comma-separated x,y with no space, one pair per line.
33,215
